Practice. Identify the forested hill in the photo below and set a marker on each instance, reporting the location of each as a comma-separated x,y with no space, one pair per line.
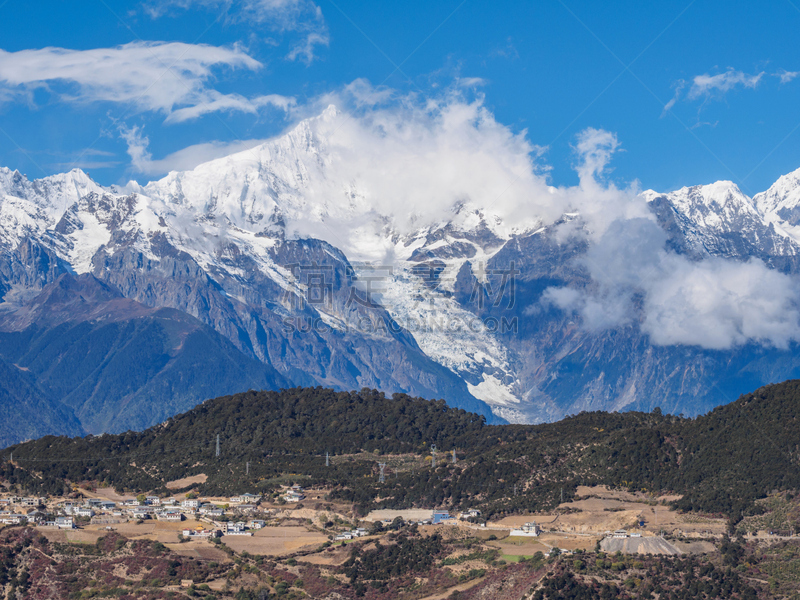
720,462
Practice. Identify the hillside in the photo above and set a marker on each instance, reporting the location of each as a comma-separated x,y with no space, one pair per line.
102,363
25,412
719,463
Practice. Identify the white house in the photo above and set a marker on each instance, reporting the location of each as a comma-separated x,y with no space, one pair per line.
294,496
247,498
238,528
193,503
200,533
64,523
171,515
12,519
528,530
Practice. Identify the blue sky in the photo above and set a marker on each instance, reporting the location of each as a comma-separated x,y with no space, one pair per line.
210,74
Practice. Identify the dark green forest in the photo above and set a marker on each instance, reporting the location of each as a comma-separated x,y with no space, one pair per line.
720,462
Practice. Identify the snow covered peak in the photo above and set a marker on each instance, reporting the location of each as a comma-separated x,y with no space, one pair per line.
782,199
251,187
31,207
49,193
716,206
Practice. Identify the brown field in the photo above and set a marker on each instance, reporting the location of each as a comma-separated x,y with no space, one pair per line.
200,549
601,510
78,536
107,493
187,481
159,531
528,546
333,557
514,549
275,541
52,534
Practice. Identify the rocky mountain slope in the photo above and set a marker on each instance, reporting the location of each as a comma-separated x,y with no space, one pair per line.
301,270
108,364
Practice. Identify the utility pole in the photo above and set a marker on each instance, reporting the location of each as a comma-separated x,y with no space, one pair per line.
247,472
455,460
433,456
515,489
381,478
655,513
217,445
562,495
327,459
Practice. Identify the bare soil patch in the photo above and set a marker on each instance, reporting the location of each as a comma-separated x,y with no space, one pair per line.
187,481
602,491
275,541
407,515
328,558
200,549
53,535
615,510
106,493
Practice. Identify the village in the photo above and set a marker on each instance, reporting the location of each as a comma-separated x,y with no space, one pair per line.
297,518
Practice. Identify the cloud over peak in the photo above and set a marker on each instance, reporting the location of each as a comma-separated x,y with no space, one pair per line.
406,163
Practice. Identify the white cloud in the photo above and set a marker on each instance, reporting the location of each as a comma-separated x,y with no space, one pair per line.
182,160
786,76
704,86
414,161
471,82
595,147
718,304
170,78
230,102
301,17
714,303
419,159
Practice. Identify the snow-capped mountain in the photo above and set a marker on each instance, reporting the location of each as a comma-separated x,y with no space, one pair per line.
720,220
300,268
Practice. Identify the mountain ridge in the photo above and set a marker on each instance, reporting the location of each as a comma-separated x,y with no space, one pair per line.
243,243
